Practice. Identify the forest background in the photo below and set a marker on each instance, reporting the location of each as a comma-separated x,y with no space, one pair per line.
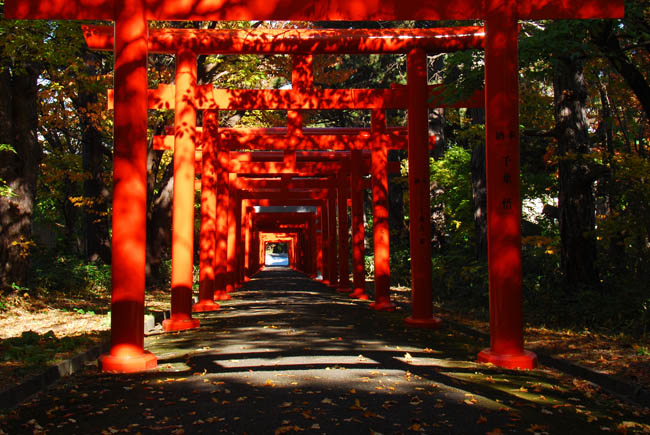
585,164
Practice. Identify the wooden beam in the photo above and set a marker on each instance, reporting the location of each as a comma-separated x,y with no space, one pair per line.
287,41
162,98
301,10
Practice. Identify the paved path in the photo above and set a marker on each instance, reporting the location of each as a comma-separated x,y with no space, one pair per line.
288,355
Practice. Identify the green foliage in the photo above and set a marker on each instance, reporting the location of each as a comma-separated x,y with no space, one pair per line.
70,274
452,174
6,190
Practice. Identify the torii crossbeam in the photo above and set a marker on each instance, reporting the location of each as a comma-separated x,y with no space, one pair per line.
502,136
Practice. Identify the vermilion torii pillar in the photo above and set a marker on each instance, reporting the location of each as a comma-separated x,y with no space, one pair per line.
129,198
127,352
420,198
183,204
209,216
380,214
358,231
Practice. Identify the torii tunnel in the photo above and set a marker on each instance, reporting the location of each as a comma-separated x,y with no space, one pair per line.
324,170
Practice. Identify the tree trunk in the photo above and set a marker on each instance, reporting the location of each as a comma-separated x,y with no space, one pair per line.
603,34
159,220
18,127
395,202
575,198
93,152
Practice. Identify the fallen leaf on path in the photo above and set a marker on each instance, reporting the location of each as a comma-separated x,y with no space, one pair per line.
285,429
415,401
481,420
357,406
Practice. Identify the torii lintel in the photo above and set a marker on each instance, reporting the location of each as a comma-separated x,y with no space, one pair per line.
300,10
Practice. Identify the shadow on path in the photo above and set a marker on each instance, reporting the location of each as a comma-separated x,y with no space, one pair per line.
288,354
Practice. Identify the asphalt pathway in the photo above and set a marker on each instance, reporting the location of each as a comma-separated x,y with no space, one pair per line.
288,355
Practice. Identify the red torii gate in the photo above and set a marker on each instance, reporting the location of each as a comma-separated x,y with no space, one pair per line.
502,137
319,204
304,96
296,223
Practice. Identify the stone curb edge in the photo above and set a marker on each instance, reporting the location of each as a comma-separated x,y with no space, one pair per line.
626,390
14,395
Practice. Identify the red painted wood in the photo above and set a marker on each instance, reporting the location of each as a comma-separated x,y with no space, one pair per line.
333,275
343,182
503,190
127,352
161,98
223,200
358,231
232,239
298,10
183,205
419,195
208,238
380,215
286,41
